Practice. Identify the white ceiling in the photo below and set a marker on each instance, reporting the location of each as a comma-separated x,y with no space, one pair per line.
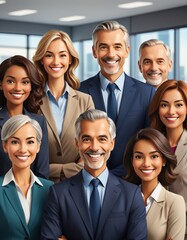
49,11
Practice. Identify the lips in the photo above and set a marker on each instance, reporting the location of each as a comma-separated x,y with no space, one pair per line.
56,69
172,119
147,171
23,158
17,95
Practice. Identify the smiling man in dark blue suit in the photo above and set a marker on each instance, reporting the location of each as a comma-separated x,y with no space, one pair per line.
121,211
111,48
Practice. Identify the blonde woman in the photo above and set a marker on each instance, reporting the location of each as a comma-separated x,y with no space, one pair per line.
56,59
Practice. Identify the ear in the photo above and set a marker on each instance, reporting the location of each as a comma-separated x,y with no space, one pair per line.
38,149
139,65
4,146
112,144
94,52
76,143
164,162
170,65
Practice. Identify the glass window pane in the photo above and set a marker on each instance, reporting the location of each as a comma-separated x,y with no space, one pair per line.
166,36
13,40
33,43
182,54
78,71
9,52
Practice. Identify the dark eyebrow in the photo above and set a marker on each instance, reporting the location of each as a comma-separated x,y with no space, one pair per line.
59,52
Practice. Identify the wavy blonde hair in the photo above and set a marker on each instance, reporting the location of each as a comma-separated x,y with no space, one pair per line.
43,45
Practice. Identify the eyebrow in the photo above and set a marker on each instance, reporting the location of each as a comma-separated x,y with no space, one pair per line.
58,52
180,100
9,76
149,152
26,138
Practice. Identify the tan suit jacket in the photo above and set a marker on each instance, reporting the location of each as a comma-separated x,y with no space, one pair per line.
166,217
63,154
180,185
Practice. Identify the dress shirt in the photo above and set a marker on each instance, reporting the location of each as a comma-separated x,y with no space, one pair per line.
25,201
118,90
154,196
58,107
87,178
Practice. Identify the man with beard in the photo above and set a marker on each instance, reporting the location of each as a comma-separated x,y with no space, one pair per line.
121,211
155,61
132,97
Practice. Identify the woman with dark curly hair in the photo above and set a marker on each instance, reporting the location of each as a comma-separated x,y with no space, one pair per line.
150,162
56,60
21,92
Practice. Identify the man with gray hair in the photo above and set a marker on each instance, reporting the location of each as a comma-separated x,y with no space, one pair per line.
155,61
124,98
94,204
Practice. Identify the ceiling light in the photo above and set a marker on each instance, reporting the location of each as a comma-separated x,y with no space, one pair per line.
72,18
2,1
135,5
22,12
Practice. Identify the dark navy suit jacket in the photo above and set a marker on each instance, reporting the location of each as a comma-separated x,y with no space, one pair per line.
122,215
132,114
40,166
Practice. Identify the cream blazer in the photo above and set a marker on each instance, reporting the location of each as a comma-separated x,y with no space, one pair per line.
63,154
166,217
180,185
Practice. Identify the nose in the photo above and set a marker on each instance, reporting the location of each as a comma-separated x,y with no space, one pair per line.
17,87
154,66
146,162
56,60
23,148
172,110
94,145
111,52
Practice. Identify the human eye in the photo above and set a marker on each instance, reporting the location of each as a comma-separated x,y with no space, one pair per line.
146,62
137,156
102,139
161,61
85,139
26,82
30,142
9,81
14,142
163,105
63,55
155,156
179,104
102,47
48,55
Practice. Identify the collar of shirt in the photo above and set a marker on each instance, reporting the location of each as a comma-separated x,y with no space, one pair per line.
9,177
50,94
119,82
154,196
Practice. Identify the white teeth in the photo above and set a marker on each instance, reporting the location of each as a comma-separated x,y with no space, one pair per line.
147,171
23,158
17,94
94,155
171,119
56,69
111,62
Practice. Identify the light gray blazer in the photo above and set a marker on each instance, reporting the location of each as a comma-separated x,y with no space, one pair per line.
180,185
167,217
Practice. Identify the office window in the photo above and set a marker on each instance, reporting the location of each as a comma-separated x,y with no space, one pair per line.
12,44
182,54
166,36
33,43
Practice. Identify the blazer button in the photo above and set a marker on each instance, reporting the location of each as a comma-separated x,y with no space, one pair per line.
59,154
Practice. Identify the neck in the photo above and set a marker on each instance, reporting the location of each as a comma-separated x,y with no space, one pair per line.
147,187
173,135
14,110
57,87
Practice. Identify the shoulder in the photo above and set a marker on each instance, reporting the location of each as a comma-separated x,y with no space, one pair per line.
89,81
173,197
45,182
140,84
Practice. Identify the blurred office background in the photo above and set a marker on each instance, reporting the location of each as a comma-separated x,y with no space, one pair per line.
165,20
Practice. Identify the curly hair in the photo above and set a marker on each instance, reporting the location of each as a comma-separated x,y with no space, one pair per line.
167,175
153,111
34,100
43,45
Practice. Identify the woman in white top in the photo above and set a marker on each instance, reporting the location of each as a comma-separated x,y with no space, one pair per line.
150,162
22,194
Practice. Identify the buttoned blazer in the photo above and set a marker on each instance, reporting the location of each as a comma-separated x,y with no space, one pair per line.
62,150
132,114
40,166
180,184
167,217
122,215
13,225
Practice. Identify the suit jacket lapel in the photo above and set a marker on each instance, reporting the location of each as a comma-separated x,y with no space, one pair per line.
12,196
72,104
111,195
46,111
128,97
4,116
79,199
181,147
95,92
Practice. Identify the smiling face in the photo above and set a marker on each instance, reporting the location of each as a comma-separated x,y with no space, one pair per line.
16,86
56,60
111,52
94,145
173,110
22,147
147,162
154,64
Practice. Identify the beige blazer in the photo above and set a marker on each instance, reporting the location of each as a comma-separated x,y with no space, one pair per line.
180,185
63,154
166,217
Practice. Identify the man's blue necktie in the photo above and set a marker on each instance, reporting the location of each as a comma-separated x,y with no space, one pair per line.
112,103
95,204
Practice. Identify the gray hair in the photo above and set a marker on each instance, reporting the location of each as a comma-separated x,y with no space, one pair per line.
110,26
13,124
92,115
154,42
